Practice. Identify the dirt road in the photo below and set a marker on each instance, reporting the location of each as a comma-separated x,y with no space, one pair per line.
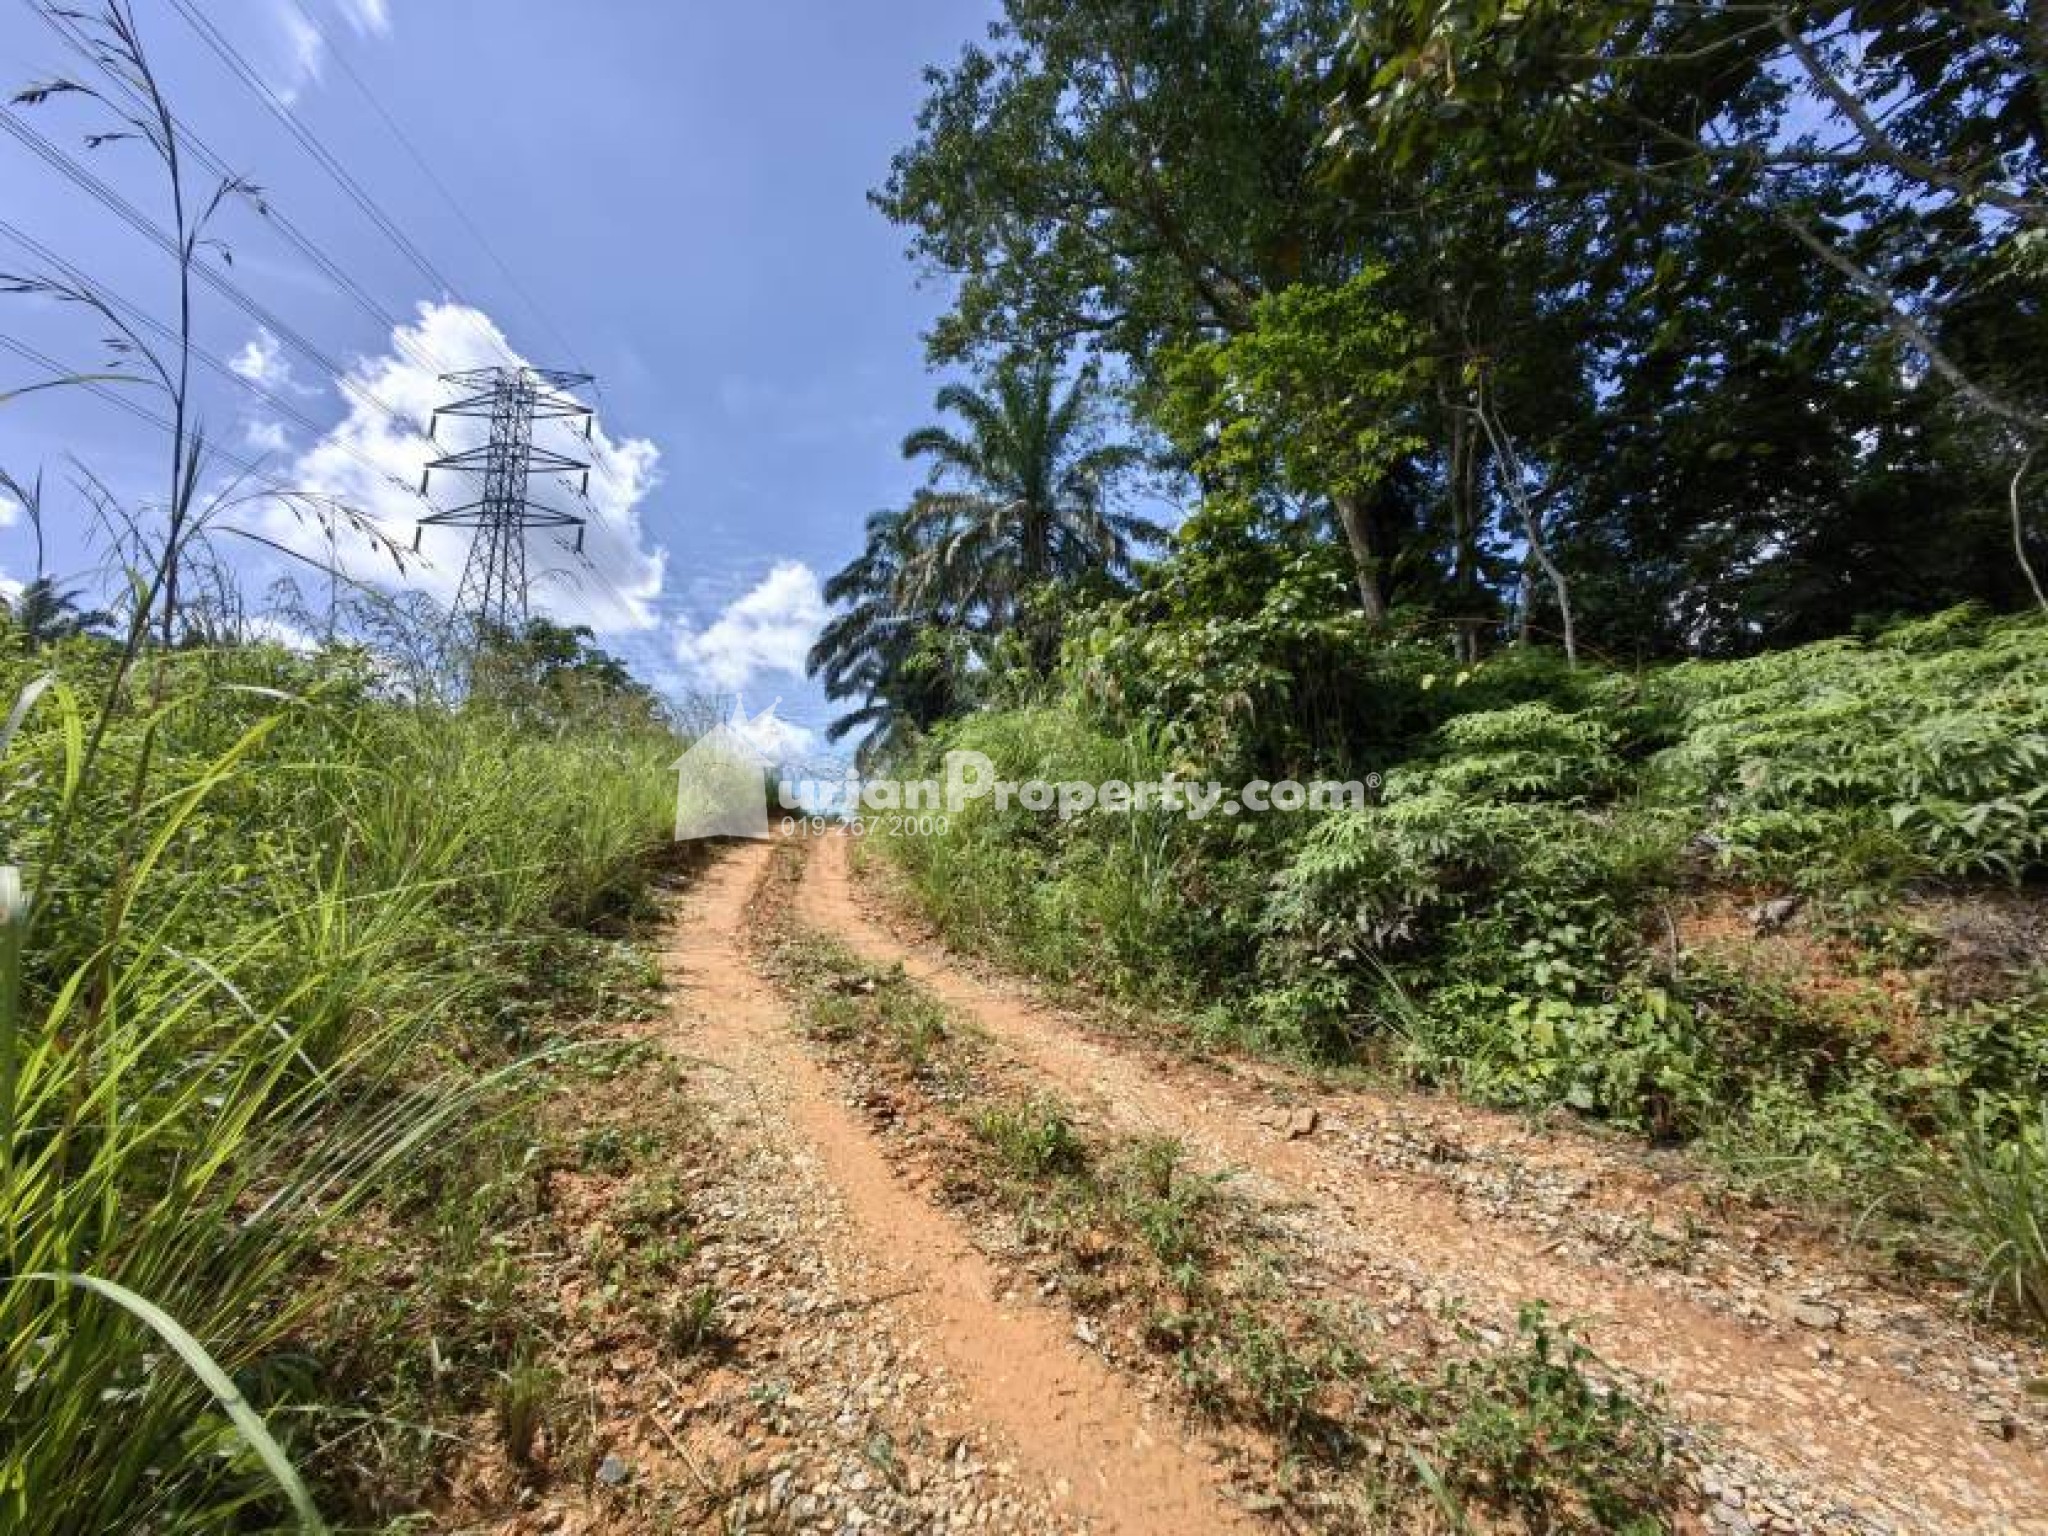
1810,1398
1079,1447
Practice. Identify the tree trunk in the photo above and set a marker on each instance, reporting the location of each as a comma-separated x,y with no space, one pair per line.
1464,501
2019,532
1510,468
1357,521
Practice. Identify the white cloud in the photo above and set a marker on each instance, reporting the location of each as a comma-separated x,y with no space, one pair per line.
262,361
372,464
282,632
10,512
304,46
371,17
768,630
305,51
778,740
266,436
10,589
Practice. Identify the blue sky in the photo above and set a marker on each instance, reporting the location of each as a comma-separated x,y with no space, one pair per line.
676,193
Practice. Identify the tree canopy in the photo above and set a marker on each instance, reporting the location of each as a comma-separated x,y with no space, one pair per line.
1685,329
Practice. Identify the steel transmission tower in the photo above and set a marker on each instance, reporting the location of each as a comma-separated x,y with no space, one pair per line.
492,593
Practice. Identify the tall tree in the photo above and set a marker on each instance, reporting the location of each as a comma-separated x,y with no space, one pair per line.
1897,149
1128,176
43,613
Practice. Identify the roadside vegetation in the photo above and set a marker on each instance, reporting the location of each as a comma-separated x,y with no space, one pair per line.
1777,906
289,964
295,943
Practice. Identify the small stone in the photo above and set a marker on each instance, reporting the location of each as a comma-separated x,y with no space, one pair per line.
1302,1123
1770,916
1995,1422
613,1472
1815,1314
1085,1332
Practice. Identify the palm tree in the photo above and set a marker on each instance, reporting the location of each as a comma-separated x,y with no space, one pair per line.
43,613
1016,503
1018,500
878,650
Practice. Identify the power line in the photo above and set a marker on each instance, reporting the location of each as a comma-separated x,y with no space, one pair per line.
104,295
455,206
338,172
70,31
248,469
72,171
327,161
328,509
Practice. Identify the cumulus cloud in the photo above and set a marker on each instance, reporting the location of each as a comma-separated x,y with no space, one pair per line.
371,17
278,631
304,52
778,740
10,512
372,463
303,45
767,630
266,436
262,361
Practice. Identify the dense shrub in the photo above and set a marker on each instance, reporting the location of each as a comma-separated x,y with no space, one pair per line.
1500,917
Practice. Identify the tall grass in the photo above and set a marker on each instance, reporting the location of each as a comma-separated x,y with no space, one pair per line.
255,962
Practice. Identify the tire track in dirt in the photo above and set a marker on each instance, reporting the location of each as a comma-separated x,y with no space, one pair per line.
1845,1432
1069,1423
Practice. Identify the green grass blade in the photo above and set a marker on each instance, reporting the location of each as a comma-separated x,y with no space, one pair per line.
203,1365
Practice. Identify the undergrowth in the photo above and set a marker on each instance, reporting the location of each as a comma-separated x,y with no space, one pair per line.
1521,912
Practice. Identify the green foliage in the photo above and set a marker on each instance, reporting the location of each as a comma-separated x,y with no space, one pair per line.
1995,1190
1537,1434
523,1402
279,943
1018,514
43,613
1925,749
1500,918
691,1325
1031,1141
555,675
1304,395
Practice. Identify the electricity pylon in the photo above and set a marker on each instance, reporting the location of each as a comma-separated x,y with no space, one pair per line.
492,592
